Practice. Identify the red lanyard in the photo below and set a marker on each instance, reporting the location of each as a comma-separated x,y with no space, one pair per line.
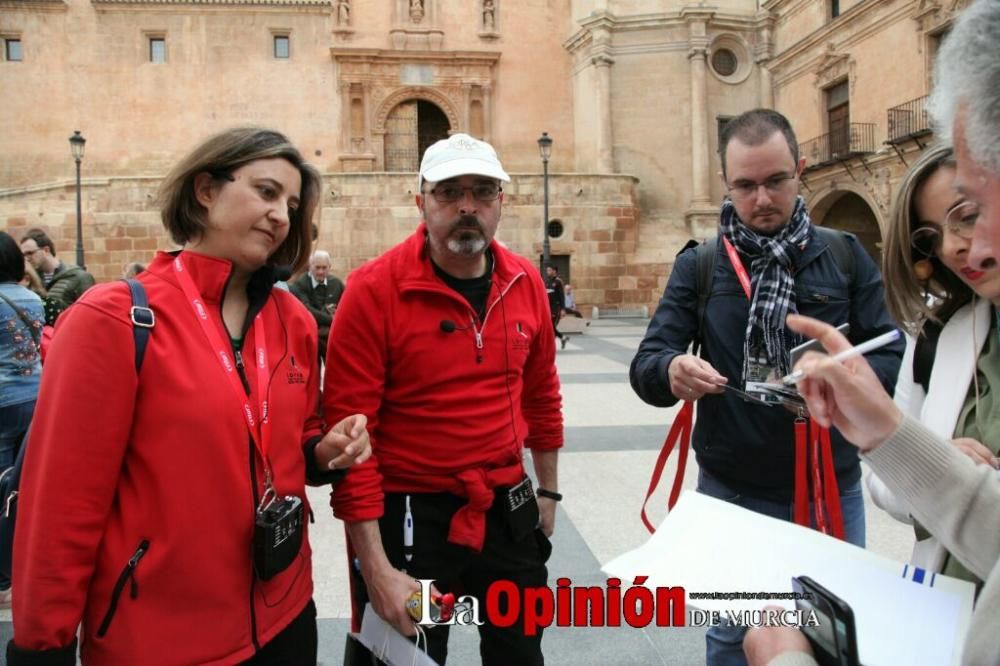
741,272
260,433
680,432
826,495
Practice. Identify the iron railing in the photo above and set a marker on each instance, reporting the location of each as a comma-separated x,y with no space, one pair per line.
909,119
850,139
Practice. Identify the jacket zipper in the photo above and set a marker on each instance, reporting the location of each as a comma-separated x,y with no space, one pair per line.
127,574
478,331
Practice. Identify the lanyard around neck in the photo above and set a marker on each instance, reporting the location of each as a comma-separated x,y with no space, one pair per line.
741,272
260,431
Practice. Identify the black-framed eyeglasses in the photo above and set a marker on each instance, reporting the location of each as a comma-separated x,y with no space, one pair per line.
745,189
451,192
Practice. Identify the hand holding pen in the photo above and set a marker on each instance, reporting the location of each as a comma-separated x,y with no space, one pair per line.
845,393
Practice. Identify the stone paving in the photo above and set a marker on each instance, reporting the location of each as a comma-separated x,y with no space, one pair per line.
612,440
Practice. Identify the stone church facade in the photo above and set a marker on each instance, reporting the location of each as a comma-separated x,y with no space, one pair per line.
633,93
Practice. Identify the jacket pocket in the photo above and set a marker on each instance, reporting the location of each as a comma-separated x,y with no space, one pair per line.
127,576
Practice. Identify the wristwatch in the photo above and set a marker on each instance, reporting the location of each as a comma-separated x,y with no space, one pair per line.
542,492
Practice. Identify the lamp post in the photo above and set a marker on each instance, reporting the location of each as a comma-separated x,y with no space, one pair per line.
545,149
76,143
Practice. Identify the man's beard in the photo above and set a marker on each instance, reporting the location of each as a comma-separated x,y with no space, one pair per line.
467,237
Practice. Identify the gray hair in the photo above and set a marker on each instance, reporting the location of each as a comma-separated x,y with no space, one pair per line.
967,81
319,254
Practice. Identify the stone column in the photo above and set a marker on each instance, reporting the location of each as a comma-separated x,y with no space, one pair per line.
766,85
488,113
700,192
605,148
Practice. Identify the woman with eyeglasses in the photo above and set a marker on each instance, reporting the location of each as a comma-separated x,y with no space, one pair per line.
950,376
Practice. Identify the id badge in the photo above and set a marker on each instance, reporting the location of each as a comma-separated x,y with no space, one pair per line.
759,376
521,510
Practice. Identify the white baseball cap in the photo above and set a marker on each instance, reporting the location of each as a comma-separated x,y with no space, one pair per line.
460,155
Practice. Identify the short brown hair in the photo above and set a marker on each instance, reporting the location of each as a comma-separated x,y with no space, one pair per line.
219,156
754,128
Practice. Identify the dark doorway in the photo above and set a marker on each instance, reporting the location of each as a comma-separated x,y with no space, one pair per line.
432,125
411,127
851,213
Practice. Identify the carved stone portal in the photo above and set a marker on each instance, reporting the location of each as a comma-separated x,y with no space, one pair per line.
387,96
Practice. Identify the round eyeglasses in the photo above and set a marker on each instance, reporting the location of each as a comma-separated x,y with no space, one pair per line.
450,192
961,219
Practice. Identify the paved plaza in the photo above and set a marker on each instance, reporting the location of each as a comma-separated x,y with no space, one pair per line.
612,440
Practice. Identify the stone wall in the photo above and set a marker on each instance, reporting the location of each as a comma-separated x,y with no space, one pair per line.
362,216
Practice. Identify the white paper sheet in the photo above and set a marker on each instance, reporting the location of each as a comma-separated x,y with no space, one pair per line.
707,545
388,644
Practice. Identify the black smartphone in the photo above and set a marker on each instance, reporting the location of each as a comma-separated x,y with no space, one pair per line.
812,345
834,640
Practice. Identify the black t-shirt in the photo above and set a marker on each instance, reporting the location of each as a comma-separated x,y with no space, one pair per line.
474,290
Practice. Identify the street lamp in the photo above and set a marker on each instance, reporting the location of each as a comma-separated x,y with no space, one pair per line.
545,149
76,143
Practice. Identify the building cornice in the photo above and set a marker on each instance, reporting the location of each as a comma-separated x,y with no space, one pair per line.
35,5
602,20
864,17
214,3
392,56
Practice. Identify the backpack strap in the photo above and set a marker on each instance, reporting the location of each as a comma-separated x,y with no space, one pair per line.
924,352
143,319
705,255
840,246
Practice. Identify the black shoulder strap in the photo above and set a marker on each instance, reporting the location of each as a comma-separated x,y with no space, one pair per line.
705,254
143,319
841,249
924,352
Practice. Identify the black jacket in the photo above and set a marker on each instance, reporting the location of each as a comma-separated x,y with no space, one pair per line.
750,447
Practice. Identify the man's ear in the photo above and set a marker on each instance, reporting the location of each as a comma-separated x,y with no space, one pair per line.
419,199
802,165
204,188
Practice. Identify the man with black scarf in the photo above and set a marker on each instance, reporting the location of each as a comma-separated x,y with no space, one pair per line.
769,262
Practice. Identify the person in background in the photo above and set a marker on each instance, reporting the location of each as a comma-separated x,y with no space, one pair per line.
320,292
146,492
32,281
63,282
21,320
557,300
944,304
132,269
281,277
570,302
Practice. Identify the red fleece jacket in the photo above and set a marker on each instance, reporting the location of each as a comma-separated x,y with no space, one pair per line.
439,403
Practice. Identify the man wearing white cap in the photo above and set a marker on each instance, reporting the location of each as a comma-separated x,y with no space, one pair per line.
445,343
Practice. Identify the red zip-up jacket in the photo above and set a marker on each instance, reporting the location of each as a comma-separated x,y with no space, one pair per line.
439,403
138,497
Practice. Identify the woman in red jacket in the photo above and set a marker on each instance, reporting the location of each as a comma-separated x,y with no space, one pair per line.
164,511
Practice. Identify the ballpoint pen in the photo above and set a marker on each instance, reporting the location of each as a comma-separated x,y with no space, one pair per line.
857,350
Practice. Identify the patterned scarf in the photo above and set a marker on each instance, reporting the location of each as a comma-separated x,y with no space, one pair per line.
771,283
